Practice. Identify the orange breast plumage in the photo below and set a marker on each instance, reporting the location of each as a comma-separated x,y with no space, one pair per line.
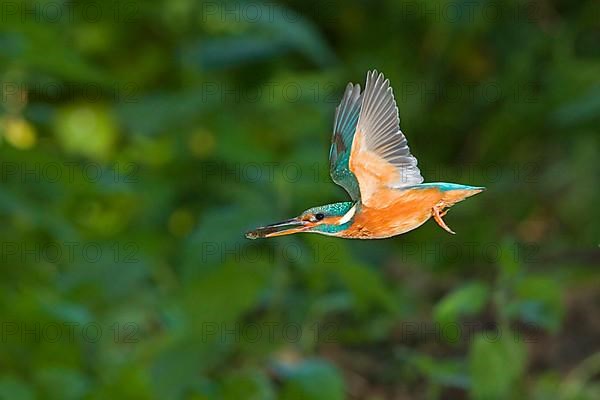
398,211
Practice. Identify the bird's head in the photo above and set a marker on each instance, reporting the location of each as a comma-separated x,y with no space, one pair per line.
327,220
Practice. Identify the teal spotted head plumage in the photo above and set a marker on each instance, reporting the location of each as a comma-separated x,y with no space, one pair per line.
370,158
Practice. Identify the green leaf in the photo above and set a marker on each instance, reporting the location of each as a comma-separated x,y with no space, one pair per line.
508,259
247,385
282,32
496,366
581,110
446,372
313,380
464,301
63,383
540,302
12,388
86,129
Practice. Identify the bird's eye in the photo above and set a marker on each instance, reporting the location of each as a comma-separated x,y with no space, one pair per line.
319,216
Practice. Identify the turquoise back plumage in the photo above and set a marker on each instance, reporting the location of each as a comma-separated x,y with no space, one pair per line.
445,187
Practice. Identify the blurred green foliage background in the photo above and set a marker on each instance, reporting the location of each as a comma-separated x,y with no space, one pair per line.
139,140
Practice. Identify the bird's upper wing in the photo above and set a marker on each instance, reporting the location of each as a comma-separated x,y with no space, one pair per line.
380,156
344,126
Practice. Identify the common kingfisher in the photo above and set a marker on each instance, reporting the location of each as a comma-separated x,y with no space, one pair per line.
369,157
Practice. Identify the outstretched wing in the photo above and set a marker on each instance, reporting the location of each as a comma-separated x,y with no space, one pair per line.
380,157
344,126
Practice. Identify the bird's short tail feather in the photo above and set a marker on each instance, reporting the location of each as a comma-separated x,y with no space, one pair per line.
452,197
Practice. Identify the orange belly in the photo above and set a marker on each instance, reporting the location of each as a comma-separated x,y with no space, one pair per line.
401,211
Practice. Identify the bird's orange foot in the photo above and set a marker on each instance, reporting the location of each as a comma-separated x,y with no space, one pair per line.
438,212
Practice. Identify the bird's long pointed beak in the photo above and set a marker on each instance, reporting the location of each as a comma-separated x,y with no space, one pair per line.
286,227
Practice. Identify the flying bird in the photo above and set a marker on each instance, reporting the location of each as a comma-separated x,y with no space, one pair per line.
370,159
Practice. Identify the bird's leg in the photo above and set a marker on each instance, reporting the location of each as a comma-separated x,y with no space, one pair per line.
438,212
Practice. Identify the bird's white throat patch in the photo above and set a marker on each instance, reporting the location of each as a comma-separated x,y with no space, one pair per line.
348,216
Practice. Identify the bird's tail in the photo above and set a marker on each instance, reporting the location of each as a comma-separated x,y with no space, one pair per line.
460,193
453,193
